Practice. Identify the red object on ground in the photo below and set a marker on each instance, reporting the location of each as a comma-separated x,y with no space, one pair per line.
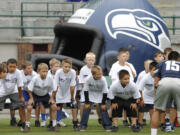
177,124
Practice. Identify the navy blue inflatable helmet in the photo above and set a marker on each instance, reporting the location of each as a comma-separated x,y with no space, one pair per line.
104,26
132,24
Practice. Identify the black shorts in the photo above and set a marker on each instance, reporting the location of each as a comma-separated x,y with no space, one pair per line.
62,104
124,104
15,103
41,100
146,108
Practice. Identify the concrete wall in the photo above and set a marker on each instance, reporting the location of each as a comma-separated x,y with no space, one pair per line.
8,51
12,7
168,8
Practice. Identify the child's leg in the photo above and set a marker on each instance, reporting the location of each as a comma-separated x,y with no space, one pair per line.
75,120
110,113
151,113
53,110
43,115
81,109
28,115
115,121
105,118
59,110
85,118
13,118
133,120
124,115
140,117
37,113
172,114
22,115
99,114
74,114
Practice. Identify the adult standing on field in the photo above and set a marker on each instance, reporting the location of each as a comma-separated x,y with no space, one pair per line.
167,82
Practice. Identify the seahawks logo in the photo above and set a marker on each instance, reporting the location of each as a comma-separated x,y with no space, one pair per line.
138,24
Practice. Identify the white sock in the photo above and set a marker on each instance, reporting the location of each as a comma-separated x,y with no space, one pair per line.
153,131
28,123
54,123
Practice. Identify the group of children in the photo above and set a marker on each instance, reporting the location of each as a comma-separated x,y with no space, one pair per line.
63,84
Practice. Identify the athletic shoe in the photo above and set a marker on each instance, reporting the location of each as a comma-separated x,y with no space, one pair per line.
108,128
43,123
144,122
135,128
61,123
76,128
49,125
82,129
140,126
125,123
13,122
114,129
25,128
100,121
19,124
168,130
37,123
163,127
55,129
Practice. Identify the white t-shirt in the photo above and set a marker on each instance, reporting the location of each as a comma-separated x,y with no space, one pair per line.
27,79
2,88
130,91
13,81
96,88
147,86
116,67
64,81
52,75
78,86
132,67
41,87
84,73
140,76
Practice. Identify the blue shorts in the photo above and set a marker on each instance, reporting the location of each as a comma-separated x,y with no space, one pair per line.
26,95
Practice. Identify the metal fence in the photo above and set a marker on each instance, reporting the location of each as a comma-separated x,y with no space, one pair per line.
47,13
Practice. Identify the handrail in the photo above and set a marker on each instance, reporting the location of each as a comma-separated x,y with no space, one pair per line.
47,11
22,16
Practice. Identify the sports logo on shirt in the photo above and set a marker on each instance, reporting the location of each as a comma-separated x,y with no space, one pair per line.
138,24
13,80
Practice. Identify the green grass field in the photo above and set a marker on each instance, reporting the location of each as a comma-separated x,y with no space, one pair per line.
93,129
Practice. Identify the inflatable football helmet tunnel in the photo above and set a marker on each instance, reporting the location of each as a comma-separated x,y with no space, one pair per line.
104,26
72,41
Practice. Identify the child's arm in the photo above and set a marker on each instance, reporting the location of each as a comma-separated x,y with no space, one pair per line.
72,92
20,85
105,91
51,100
21,97
156,81
133,106
134,75
141,99
31,101
87,105
54,89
